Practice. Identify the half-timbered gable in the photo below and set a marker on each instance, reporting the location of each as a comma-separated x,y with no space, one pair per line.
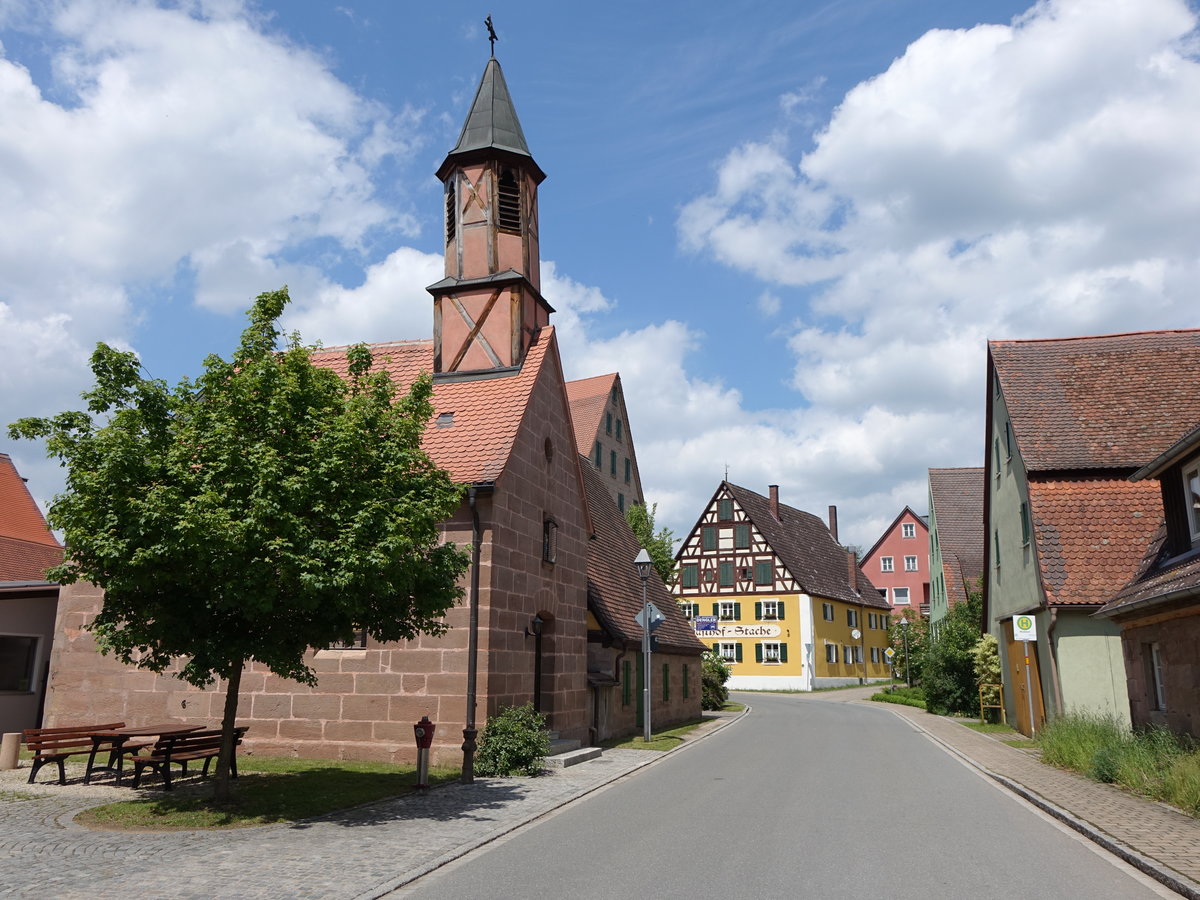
750,574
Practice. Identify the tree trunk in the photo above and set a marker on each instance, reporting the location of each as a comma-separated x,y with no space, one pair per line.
232,686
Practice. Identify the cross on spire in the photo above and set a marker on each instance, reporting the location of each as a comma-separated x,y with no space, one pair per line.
491,33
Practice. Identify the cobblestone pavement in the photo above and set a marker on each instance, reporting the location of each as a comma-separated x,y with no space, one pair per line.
371,851
358,854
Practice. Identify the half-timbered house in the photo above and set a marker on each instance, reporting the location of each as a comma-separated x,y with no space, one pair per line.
769,589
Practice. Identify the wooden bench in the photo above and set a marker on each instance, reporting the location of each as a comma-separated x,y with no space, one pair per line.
180,749
57,744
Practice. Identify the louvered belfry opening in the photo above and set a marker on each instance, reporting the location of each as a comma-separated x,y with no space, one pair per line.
509,211
451,208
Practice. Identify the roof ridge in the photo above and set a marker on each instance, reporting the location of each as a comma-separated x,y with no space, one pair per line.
1091,337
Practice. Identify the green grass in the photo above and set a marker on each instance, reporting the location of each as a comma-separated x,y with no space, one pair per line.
270,789
1153,762
906,696
733,706
659,740
991,728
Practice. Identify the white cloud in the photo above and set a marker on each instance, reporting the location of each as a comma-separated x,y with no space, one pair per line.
1023,180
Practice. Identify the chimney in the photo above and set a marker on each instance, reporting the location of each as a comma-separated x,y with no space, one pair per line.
773,490
852,568
833,522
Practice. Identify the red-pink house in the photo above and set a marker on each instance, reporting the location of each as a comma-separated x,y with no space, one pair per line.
898,564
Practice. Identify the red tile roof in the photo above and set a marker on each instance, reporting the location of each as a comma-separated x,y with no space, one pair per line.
588,398
478,418
956,505
805,546
1112,401
1091,534
614,587
1158,580
27,547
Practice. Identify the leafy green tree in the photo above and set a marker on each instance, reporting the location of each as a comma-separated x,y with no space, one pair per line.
660,545
267,509
714,672
909,661
949,671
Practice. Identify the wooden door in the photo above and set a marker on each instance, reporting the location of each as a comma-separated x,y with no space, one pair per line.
1016,682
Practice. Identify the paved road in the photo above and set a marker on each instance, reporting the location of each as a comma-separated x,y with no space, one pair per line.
802,799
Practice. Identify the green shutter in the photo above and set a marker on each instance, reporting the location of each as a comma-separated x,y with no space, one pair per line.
716,649
666,678
716,609
737,611
779,610
782,652
758,611
686,682
737,654
758,653
626,687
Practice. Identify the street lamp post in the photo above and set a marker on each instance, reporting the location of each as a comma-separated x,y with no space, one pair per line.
645,565
904,631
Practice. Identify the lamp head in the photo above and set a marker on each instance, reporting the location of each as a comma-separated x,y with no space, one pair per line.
644,564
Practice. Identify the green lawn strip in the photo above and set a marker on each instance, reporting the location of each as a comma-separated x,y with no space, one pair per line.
733,706
992,728
898,698
269,789
659,740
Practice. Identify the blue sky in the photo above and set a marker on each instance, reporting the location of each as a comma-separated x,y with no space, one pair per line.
791,226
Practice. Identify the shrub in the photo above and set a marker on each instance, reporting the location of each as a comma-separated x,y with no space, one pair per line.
949,678
514,742
987,672
714,672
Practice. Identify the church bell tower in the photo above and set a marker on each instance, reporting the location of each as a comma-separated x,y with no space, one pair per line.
489,308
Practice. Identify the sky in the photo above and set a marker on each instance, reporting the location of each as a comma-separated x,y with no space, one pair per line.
791,226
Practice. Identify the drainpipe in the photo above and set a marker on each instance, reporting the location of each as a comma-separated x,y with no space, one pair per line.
1054,680
470,732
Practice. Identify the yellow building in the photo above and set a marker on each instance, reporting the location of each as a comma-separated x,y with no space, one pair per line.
768,588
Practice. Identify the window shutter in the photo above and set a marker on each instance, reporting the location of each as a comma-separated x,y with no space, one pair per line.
737,611
782,652
716,609
758,653
758,610
737,653
779,610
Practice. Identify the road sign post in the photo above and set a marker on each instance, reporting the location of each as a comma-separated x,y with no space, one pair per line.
1025,631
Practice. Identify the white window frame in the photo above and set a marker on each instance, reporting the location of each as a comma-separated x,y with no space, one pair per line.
908,530
910,564
887,564
847,654
898,593
874,654
858,654
827,613
831,653
852,618
770,657
728,651
1191,497
770,609
727,611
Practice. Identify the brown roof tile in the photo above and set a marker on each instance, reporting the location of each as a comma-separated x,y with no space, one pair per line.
20,517
614,587
1112,401
473,444
588,397
956,504
26,560
1091,534
1158,578
803,543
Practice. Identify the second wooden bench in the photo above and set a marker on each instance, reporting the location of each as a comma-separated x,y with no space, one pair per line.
180,749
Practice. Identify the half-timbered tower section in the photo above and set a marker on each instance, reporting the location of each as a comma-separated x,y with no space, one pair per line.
603,435
769,589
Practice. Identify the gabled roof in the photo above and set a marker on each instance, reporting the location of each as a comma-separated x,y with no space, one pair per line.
956,503
614,587
27,546
475,421
907,511
804,545
588,398
1091,534
1112,401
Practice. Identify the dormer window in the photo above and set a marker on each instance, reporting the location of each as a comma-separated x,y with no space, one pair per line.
509,207
1191,494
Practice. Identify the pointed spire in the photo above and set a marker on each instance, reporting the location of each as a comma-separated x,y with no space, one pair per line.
492,122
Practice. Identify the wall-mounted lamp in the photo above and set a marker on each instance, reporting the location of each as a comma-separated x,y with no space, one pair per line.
534,628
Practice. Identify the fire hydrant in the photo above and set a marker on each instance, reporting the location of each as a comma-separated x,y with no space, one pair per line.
424,732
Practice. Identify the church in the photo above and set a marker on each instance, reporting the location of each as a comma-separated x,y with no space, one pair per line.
552,580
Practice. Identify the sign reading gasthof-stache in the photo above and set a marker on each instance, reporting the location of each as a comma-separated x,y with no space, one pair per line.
740,631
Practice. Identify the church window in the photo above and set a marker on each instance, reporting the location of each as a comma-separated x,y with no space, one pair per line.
549,540
510,202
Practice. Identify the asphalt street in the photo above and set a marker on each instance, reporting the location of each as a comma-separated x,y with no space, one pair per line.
802,798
